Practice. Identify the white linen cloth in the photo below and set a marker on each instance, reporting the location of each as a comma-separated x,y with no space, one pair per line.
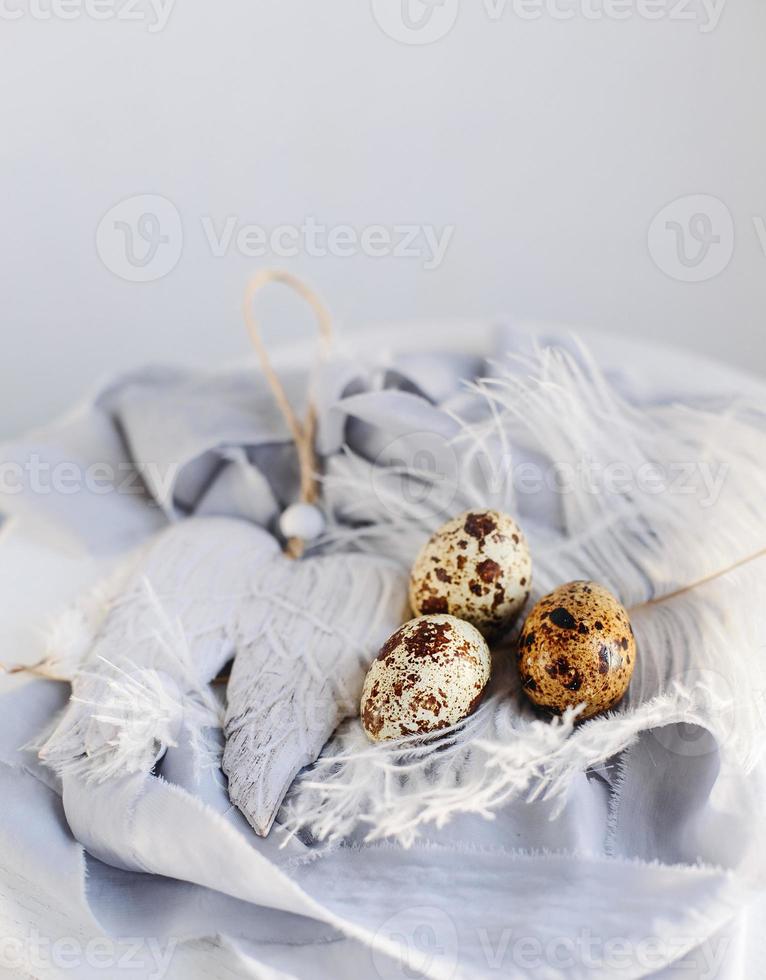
649,870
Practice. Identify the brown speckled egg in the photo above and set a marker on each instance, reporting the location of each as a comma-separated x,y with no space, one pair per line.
576,646
430,674
476,567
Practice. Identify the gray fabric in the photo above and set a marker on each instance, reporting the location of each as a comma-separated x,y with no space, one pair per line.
644,873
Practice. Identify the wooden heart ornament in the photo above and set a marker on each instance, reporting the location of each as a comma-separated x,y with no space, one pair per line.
302,632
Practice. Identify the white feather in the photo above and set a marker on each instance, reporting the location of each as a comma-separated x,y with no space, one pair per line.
130,713
700,652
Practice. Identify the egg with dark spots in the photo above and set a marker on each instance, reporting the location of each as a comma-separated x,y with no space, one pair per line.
429,675
577,646
476,567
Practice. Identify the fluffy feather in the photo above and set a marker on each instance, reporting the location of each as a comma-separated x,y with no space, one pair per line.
666,496
130,714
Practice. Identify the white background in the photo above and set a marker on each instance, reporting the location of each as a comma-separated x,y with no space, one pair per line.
547,146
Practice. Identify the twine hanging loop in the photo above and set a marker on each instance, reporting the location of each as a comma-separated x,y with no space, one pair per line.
302,431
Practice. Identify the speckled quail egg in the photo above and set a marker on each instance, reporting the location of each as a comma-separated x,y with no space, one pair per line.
429,675
577,646
477,567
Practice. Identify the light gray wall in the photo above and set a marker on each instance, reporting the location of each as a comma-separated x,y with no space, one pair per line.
545,146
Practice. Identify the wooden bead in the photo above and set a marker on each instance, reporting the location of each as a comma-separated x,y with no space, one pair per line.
302,521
